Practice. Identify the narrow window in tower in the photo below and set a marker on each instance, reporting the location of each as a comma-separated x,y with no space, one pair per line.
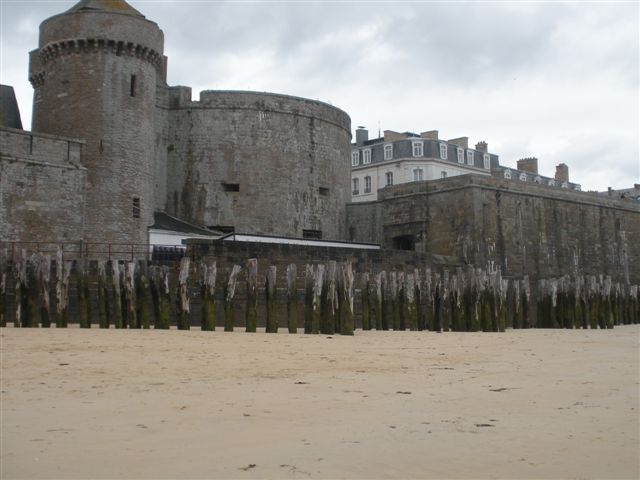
133,85
136,207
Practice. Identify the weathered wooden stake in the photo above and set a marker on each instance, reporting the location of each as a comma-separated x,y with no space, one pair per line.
229,296
184,310
308,298
101,297
292,298
318,281
63,271
82,275
116,294
130,294
251,318
163,292
329,301
207,296
410,297
271,290
346,298
366,306
144,309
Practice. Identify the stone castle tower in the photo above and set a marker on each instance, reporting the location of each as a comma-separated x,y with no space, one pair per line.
95,75
250,162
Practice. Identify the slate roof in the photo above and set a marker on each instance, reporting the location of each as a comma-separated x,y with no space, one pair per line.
164,221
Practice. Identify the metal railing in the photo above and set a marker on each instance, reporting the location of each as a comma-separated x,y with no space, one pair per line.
93,251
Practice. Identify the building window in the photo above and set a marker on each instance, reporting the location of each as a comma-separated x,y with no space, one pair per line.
523,177
565,185
132,86
389,178
487,161
317,234
443,151
578,188
552,183
470,157
324,191
355,158
537,179
417,175
507,174
231,187
417,149
136,207
460,153
355,186
367,184
366,156
388,152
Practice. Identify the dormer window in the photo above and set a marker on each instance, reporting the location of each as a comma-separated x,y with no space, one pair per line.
443,151
355,158
388,151
523,177
577,188
552,183
470,157
537,179
366,156
460,153
565,185
507,174
417,149
487,161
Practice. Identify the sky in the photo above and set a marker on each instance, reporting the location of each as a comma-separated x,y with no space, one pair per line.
556,80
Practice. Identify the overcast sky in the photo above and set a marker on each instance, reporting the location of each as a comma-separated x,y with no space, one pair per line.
559,81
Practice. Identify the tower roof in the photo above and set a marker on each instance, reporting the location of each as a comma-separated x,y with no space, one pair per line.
115,6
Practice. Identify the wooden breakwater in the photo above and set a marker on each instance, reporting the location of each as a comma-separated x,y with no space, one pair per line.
328,298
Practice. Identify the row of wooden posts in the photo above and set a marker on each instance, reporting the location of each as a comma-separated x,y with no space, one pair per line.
138,295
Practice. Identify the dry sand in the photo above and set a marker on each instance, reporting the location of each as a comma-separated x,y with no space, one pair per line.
168,404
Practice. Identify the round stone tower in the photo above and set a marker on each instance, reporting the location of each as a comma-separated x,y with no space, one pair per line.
95,75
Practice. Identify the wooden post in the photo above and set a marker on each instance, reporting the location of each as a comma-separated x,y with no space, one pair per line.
101,297
116,294
163,291
292,298
410,296
20,274
229,296
130,294
318,280
395,305
83,294
328,301
308,298
366,306
144,310
184,310
208,274
346,299
45,291
379,284
251,318
271,290
63,271
4,263
428,295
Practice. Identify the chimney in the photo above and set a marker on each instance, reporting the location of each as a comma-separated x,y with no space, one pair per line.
362,135
430,135
482,147
609,191
562,173
529,164
460,142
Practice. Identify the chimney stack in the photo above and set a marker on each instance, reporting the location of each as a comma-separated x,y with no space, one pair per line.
528,164
430,135
482,147
362,135
562,173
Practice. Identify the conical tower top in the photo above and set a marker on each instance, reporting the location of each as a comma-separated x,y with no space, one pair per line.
114,6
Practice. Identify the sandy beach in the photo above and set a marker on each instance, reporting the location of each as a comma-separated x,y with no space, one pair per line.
175,404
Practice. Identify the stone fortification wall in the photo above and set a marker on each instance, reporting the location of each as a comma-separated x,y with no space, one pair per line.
522,228
42,187
258,162
95,76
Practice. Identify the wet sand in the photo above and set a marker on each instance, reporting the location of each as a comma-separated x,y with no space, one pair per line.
168,404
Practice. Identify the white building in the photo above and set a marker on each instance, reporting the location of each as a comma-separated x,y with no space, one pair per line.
408,157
